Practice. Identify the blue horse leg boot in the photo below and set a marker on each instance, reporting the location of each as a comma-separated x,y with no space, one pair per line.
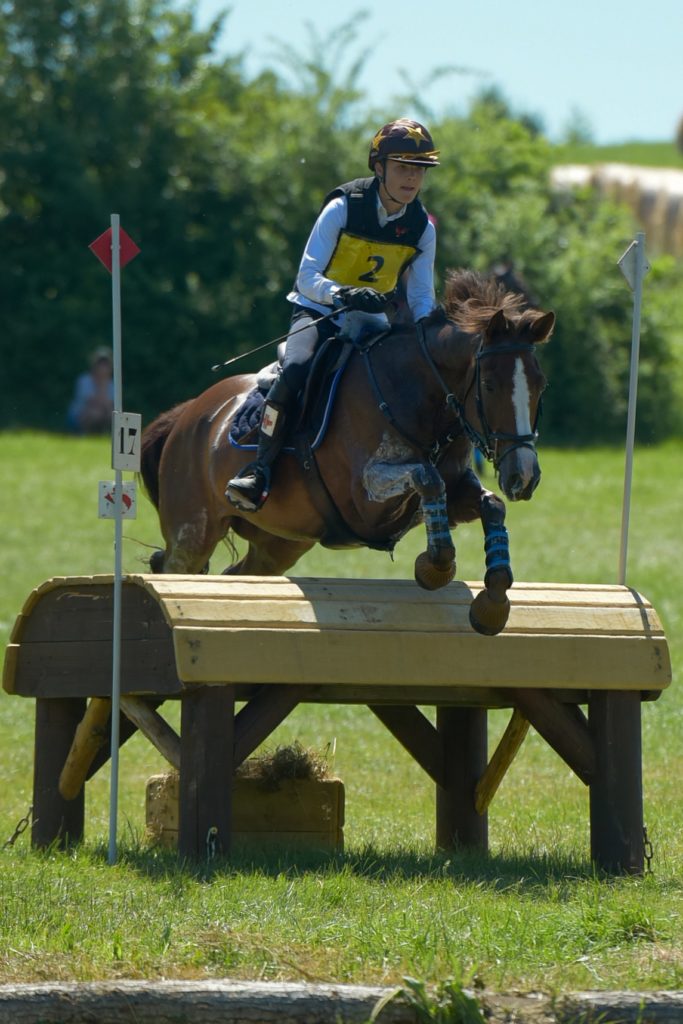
250,488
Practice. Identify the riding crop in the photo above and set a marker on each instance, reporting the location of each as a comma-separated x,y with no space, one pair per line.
274,341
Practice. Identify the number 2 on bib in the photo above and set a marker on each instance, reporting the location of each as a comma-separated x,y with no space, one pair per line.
371,275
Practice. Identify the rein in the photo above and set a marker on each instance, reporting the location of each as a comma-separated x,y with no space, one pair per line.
486,440
433,450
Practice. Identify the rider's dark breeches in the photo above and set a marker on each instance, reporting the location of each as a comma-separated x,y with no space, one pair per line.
306,334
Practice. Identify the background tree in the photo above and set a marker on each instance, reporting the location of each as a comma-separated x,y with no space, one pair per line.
122,105
494,203
100,106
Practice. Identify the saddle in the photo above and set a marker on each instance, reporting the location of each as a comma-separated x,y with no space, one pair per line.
315,402
308,428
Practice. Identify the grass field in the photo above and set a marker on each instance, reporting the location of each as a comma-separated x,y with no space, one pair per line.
647,154
530,916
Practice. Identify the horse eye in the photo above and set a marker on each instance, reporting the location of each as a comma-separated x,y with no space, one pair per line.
488,384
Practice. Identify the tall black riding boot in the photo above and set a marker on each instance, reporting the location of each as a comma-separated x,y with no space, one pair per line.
250,488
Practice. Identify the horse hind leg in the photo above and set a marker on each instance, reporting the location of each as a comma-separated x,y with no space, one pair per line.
156,561
266,555
188,549
159,561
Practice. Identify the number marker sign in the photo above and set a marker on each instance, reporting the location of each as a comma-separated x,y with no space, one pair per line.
126,434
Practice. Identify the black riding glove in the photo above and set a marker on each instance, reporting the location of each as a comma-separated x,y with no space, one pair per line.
365,300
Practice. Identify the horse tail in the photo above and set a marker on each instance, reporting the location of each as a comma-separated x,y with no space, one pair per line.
154,438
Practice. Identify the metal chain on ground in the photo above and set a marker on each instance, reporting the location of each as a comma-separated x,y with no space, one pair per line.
20,827
648,852
211,839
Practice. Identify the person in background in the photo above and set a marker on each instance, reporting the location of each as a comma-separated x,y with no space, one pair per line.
92,404
371,233
504,272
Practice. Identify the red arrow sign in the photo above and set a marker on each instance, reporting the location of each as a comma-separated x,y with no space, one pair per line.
125,498
101,247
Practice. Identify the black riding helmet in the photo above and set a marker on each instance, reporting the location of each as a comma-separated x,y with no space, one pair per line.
406,141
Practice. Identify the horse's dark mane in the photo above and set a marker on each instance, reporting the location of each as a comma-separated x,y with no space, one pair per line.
471,299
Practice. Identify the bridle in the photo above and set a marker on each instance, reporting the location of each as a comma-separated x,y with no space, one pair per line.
485,439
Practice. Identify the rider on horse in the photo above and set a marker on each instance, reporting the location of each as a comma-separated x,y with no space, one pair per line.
368,233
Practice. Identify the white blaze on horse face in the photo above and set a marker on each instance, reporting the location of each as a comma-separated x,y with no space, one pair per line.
526,458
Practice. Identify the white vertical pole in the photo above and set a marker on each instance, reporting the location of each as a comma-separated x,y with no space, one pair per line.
639,274
118,540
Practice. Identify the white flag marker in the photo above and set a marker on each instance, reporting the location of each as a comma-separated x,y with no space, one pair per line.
634,267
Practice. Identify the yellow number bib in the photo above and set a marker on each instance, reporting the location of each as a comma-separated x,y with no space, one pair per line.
361,262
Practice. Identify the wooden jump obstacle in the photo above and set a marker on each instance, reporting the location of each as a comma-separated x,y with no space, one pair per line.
274,642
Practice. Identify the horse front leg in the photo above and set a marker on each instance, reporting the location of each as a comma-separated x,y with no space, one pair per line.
435,567
491,607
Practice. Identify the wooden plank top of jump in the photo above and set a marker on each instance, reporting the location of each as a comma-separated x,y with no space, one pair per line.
182,630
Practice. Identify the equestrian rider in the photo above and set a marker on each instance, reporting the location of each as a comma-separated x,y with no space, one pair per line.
370,233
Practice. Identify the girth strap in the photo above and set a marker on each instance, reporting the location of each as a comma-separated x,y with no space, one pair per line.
338,533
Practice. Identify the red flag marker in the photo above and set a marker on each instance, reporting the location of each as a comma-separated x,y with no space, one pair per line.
101,247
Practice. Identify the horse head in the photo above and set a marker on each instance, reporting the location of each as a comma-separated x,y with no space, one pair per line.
487,349
507,385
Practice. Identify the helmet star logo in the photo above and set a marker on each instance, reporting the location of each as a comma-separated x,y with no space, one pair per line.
416,134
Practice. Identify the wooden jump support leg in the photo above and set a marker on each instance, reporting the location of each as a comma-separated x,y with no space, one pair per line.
463,735
616,792
206,771
54,818
453,754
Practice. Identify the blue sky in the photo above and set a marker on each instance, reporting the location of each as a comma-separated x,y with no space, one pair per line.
620,64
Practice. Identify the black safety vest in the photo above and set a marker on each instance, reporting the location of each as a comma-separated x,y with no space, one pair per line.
367,254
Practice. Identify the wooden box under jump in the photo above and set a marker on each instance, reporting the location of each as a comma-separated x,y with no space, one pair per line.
298,813
215,641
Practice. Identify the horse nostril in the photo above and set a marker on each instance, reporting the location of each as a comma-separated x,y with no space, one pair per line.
515,484
531,487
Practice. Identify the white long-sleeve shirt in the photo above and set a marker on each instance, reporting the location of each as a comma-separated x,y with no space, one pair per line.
317,292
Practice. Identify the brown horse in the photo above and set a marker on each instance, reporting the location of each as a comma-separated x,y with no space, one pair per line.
397,450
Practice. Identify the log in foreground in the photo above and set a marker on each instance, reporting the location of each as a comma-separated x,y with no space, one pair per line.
196,1002
228,1002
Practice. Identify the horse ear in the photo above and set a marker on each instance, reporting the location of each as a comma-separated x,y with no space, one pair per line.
496,326
541,329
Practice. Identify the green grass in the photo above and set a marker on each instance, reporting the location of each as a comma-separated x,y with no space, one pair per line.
530,916
647,154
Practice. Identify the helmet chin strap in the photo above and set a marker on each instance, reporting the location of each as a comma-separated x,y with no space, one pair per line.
383,181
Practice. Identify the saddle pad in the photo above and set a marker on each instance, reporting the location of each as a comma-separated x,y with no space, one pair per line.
248,417
242,432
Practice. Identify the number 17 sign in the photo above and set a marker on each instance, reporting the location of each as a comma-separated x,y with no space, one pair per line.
126,435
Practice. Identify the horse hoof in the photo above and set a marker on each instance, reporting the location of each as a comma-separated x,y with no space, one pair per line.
156,562
488,617
430,576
